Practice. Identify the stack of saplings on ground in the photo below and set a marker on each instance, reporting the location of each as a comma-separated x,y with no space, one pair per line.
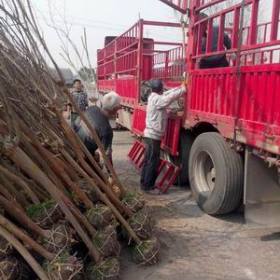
61,215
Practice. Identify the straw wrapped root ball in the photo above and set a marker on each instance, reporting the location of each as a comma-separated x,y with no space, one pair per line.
61,236
134,201
65,267
147,252
91,192
100,216
6,248
107,243
108,269
45,214
142,223
13,269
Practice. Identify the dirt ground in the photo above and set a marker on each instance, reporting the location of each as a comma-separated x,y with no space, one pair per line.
195,246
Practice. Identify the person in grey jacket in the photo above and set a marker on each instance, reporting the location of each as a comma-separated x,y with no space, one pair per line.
80,98
156,120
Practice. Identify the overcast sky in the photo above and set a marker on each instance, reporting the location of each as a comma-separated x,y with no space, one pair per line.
100,18
107,17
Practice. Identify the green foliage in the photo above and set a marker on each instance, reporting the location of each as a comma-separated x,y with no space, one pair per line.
36,210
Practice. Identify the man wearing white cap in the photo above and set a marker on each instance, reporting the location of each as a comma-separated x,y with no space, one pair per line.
99,118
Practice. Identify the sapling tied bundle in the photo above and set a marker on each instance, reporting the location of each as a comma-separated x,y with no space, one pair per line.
53,193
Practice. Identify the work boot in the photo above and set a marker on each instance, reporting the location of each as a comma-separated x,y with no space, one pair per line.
152,191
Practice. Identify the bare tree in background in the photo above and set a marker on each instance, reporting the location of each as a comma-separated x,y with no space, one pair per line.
75,55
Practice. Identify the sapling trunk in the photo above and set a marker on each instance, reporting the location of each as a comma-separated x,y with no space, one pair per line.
72,137
96,140
5,193
57,167
18,213
24,253
47,170
77,143
106,189
103,198
19,157
80,216
21,183
13,191
25,238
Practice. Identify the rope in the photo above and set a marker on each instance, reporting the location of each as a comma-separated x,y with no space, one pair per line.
150,256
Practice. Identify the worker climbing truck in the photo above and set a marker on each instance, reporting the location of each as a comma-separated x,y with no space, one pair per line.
225,141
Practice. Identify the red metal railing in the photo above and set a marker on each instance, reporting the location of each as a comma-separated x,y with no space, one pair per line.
241,101
117,64
256,36
180,5
169,65
130,59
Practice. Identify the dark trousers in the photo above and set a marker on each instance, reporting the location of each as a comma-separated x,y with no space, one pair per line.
151,164
213,62
74,117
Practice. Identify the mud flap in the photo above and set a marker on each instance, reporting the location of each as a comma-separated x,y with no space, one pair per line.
136,154
261,192
167,172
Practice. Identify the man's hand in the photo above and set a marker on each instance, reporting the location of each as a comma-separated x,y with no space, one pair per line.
97,157
101,162
232,57
184,87
184,82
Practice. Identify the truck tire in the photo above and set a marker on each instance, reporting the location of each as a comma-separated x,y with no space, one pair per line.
216,174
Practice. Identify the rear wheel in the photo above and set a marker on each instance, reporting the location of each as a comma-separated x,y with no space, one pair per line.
216,174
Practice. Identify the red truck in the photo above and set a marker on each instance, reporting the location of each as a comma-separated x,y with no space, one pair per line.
226,140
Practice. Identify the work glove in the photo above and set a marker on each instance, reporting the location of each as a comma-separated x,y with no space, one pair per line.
184,82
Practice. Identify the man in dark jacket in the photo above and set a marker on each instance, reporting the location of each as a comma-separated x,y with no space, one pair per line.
213,61
99,118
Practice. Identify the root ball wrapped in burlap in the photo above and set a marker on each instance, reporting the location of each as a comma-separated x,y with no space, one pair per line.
6,248
134,201
61,236
142,223
45,214
65,267
107,243
91,192
100,216
108,269
13,269
146,253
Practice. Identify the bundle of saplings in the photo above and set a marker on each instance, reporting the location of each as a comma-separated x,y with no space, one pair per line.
54,197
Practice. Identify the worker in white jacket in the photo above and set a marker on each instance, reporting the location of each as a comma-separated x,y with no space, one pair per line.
156,120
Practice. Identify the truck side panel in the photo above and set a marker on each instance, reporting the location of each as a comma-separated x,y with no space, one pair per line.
254,109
